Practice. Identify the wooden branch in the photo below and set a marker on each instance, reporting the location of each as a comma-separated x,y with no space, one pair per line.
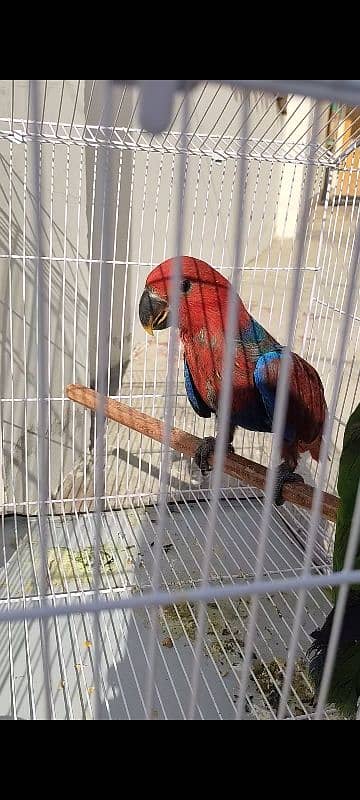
237,467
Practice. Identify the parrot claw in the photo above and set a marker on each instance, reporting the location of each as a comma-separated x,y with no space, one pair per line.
285,475
205,451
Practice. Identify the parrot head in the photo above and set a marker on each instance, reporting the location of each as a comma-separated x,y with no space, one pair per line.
203,292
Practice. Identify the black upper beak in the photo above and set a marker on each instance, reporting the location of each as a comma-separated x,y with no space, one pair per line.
154,312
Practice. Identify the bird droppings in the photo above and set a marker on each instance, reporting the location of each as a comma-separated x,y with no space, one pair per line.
267,675
78,565
224,638
180,621
301,685
168,643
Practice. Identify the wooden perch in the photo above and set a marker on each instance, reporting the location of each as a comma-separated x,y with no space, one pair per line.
235,466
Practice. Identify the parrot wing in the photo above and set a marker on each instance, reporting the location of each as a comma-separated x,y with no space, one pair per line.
266,378
198,405
307,408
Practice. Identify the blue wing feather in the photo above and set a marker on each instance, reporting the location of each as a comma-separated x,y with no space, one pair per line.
198,405
266,376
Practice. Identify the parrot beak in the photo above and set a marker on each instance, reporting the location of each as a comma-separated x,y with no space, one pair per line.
149,329
154,312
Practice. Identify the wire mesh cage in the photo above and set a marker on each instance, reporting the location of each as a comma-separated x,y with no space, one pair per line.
132,586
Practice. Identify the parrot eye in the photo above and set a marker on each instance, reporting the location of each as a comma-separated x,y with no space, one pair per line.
186,286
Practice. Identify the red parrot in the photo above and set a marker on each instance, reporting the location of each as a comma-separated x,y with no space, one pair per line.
203,314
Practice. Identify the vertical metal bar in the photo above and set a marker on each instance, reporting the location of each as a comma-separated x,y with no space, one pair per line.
316,510
169,416
102,379
43,421
279,424
224,416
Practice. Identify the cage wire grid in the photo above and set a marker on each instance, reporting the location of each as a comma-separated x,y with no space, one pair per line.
93,558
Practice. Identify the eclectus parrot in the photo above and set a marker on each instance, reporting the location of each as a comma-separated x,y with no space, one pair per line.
203,314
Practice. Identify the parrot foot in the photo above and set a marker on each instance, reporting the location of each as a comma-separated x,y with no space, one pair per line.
205,451
285,475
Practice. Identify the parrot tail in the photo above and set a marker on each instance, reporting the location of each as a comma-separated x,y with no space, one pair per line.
313,448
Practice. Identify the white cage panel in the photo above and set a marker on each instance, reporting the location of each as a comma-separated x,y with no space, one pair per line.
264,140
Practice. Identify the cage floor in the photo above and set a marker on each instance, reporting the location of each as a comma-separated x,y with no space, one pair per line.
127,560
